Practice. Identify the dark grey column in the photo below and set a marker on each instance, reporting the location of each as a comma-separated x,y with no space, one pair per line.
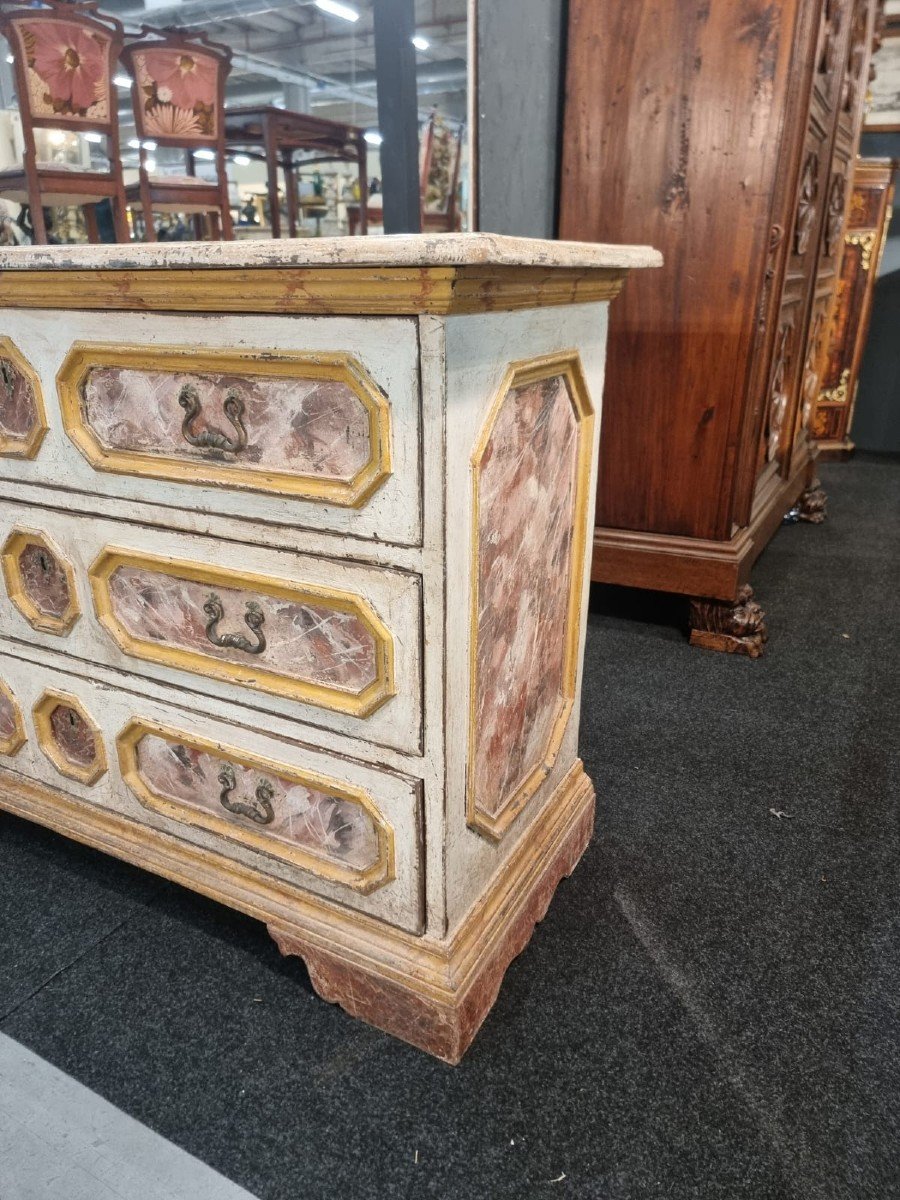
398,120
520,73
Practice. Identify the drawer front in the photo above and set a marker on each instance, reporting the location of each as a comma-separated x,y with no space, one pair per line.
309,422
341,829
329,643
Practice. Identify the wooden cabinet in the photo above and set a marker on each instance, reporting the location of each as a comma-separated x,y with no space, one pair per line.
295,542
848,325
723,135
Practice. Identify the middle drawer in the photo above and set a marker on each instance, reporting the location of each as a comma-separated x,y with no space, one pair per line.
333,644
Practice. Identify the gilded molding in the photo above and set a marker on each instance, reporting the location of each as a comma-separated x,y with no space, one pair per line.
318,291
866,243
28,446
86,773
84,357
520,374
378,875
18,539
16,740
253,675
837,394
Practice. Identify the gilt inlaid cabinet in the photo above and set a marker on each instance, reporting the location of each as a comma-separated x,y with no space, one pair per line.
723,134
847,329
295,542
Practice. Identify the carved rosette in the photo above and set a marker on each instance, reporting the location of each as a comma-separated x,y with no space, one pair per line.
806,204
734,628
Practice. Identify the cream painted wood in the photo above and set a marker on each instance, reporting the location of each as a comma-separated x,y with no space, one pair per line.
478,352
387,349
397,797
394,596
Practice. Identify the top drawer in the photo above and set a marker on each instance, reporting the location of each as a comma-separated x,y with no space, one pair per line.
302,421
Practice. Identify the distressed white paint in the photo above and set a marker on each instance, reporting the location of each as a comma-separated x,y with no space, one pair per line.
386,349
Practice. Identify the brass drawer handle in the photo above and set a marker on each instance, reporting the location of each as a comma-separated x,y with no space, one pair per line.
259,810
253,619
214,439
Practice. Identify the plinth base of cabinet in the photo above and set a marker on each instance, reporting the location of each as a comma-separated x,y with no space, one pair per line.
836,451
440,1006
698,566
434,993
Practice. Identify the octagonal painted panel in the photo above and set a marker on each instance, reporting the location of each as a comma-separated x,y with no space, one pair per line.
12,729
40,581
313,426
23,422
69,737
531,474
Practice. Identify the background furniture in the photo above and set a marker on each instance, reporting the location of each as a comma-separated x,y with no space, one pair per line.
439,164
848,327
333,643
724,137
178,95
283,134
64,57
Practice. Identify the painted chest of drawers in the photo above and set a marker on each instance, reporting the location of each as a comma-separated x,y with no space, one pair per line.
295,564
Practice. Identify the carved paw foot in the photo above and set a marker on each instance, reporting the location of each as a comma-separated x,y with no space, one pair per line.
738,628
813,504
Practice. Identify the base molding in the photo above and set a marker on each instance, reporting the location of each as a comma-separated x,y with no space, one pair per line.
698,566
432,992
836,451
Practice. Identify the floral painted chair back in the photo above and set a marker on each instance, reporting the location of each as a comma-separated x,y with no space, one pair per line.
179,87
65,56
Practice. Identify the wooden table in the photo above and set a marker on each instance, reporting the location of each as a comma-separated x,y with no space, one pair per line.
281,134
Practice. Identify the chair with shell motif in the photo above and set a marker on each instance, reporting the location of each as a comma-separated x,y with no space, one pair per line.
64,56
178,95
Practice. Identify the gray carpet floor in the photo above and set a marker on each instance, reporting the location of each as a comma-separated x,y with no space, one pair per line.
710,1008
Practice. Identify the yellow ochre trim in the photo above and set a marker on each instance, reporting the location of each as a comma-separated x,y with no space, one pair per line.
200,468
381,872
50,700
27,446
12,548
254,674
520,374
13,744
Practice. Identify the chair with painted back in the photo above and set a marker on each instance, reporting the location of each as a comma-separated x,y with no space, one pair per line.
64,56
178,96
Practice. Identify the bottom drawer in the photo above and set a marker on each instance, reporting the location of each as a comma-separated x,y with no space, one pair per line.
327,825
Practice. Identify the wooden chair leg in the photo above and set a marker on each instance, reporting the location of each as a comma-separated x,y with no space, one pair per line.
227,223
90,221
120,217
149,227
215,231
197,222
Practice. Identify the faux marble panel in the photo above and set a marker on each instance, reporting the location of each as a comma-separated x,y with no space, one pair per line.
331,827
74,737
305,641
526,490
8,724
18,409
44,580
314,427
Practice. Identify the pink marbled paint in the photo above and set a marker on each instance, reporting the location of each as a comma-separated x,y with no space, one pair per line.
44,580
310,642
18,410
331,827
526,485
73,735
300,426
8,724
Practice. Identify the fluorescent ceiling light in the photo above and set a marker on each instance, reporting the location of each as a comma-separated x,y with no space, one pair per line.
373,137
150,145
149,165
10,59
338,10
122,81
420,43
205,155
241,160
93,137
134,144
